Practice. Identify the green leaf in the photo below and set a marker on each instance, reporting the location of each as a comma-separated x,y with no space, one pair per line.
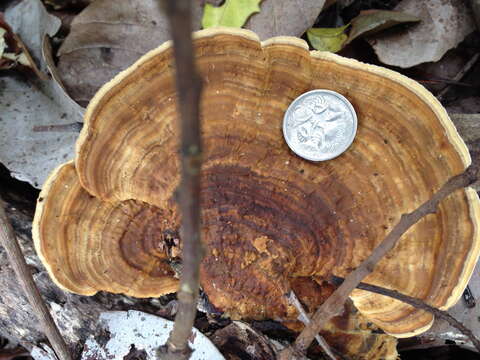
233,13
327,39
372,21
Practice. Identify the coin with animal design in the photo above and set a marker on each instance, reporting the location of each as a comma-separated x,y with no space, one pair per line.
320,125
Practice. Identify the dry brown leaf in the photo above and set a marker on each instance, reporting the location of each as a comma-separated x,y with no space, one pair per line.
107,37
284,17
444,23
370,22
27,103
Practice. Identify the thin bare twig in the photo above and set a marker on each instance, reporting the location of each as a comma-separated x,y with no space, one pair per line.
435,81
189,88
334,303
9,241
419,304
466,68
73,127
305,319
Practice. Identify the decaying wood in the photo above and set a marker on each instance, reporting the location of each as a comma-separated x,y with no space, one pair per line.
76,316
335,302
189,88
418,304
9,242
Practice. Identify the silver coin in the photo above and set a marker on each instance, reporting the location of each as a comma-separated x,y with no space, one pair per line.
320,125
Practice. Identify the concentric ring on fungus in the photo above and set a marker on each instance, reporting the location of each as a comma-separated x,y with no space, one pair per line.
271,220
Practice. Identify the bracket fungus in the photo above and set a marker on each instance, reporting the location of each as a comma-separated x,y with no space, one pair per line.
271,221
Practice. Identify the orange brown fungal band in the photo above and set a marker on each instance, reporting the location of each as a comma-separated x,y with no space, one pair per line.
89,245
271,220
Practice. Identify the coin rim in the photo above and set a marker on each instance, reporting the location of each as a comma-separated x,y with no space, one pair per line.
349,106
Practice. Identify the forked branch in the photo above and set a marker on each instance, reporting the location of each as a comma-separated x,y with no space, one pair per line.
419,304
333,305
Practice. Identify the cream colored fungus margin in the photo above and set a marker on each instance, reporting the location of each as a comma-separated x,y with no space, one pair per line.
39,211
419,90
452,135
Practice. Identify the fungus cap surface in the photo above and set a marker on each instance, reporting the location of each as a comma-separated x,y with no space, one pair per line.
271,221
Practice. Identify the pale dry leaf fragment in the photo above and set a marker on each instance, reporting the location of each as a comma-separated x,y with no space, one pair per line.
56,83
31,21
31,155
3,45
43,352
106,38
284,17
444,23
26,103
468,316
145,331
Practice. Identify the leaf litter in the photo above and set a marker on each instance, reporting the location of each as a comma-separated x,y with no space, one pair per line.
27,102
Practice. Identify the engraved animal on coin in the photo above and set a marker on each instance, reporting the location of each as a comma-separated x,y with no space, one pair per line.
319,126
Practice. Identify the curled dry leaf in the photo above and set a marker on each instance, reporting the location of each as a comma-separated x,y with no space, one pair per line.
107,37
233,13
28,102
367,23
31,22
372,21
12,51
444,23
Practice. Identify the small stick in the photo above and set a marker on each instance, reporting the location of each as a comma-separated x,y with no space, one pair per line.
73,127
419,304
189,87
9,241
466,68
305,319
334,303
444,81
